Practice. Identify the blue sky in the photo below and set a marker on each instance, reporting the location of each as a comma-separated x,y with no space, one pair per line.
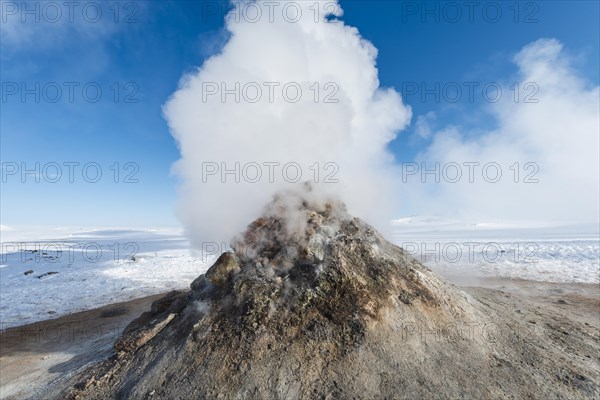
141,60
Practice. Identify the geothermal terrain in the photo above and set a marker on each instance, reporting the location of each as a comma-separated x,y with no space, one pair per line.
318,305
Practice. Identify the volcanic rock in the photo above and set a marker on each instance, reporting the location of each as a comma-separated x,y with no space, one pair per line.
315,304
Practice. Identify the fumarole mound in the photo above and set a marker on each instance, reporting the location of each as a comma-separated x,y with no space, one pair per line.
315,304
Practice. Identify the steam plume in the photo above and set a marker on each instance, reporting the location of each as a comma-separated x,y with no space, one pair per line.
338,139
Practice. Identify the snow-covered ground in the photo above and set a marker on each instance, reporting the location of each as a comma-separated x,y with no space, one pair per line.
48,272
467,251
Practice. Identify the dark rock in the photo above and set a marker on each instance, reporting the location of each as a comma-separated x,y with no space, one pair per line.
405,297
221,271
199,283
136,338
47,274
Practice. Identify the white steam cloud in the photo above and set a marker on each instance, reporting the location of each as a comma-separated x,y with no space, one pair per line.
559,134
335,130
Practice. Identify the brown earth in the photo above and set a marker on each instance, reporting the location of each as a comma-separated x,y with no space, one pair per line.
30,361
31,356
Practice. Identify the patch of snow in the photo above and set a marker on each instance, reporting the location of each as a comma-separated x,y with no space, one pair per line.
52,272
515,249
